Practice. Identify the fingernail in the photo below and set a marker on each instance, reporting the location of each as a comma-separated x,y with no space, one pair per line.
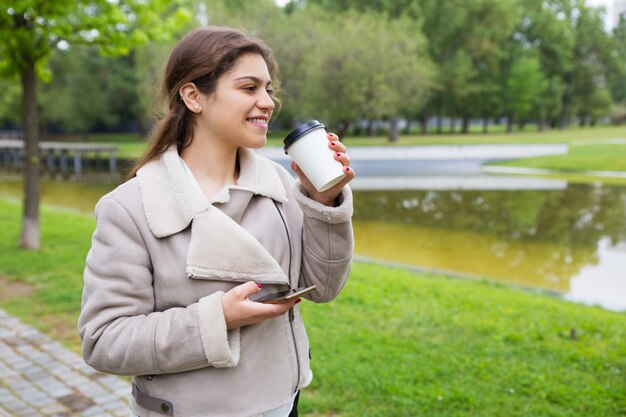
337,153
259,285
347,169
298,300
332,143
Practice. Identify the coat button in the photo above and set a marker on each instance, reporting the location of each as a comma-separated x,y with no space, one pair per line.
165,407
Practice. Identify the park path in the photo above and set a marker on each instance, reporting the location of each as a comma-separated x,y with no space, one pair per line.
39,377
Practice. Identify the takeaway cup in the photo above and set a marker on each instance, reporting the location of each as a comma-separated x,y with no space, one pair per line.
307,145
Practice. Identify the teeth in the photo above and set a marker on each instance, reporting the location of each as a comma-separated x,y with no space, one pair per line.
261,121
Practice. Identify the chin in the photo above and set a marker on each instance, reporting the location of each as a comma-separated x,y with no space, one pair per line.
257,143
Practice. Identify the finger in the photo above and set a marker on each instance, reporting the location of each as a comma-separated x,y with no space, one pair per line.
335,145
343,158
245,290
282,308
350,174
267,310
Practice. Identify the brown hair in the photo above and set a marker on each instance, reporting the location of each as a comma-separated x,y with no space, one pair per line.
202,56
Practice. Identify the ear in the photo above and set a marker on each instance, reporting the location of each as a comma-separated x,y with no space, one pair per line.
190,95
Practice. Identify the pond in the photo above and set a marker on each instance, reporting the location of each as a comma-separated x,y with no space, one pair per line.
571,240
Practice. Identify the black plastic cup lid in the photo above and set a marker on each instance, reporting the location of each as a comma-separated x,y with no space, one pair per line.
300,131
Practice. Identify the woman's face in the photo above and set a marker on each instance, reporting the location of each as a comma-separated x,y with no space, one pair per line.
239,110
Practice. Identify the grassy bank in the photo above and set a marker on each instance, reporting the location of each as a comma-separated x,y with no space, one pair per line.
395,343
580,158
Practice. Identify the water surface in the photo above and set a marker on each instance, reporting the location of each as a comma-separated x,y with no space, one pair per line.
571,240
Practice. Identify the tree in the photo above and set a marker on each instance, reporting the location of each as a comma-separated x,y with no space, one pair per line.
466,39
524,84
31,29
617,77
374,68
80,75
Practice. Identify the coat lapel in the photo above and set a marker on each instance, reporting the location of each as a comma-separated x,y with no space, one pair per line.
220,249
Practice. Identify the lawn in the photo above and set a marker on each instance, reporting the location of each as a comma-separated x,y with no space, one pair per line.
395,342
581,157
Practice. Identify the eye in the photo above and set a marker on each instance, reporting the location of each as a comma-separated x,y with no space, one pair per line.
269,91
249,88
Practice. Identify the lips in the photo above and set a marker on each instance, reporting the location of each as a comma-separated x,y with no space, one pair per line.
259,121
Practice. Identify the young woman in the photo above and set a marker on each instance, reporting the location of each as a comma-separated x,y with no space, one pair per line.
203,224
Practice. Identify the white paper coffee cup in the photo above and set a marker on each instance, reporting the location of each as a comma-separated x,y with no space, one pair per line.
307,145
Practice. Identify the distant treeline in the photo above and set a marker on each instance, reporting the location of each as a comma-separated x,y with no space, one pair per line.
351,63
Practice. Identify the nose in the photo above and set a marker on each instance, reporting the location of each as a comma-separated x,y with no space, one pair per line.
265,102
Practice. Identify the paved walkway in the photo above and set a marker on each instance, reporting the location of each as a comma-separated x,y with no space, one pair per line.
39,377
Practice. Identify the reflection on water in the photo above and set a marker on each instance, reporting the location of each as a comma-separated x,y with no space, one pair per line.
571,240
604,282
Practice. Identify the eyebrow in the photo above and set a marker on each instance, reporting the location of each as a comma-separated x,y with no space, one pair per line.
257,80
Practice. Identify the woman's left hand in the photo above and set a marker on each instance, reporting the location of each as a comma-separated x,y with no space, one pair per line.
329,196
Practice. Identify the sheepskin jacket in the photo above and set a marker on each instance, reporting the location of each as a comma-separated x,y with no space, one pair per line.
163,255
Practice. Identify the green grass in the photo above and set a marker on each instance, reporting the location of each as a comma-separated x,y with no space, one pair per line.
581,157
395,343
55,272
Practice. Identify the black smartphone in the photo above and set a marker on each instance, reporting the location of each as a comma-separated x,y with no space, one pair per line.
282,296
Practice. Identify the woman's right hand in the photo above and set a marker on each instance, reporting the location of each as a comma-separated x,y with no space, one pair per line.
239,311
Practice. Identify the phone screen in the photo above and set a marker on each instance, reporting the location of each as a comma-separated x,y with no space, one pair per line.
283,296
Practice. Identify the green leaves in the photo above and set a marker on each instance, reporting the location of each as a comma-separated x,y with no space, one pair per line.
31,30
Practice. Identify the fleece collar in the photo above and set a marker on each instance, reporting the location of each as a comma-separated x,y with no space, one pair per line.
219,249
171,201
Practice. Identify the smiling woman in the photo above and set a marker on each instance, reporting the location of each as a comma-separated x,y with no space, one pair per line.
203,224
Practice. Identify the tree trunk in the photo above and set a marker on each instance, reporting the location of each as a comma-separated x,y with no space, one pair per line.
343,130
485,124
370,128
466,124
29,238
452,123
424,123
394,132
563,119
509,124
439,123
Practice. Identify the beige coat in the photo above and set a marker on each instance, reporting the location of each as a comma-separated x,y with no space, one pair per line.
162,255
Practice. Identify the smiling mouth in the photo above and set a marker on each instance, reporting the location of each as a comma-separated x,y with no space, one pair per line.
261,122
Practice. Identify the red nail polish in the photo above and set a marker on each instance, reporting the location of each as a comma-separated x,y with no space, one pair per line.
259,285
298,300
332,143
338,154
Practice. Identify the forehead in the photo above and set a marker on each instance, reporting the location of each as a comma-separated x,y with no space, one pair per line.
249,65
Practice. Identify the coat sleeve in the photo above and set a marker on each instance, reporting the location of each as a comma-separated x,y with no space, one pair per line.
120,330
327,244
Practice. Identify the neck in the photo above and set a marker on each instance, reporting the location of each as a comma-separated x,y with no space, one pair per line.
212,165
